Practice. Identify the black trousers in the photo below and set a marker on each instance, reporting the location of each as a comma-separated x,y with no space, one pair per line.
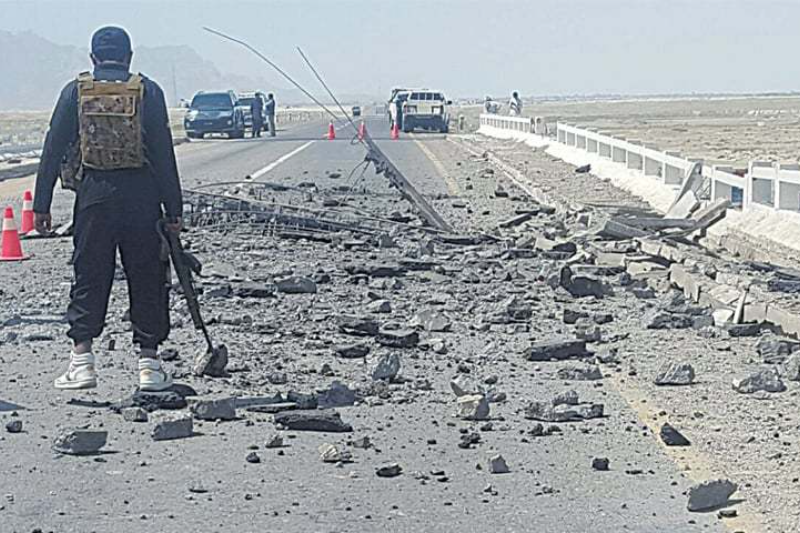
99,231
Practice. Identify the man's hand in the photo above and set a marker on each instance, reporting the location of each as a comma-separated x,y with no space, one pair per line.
175,227
43,223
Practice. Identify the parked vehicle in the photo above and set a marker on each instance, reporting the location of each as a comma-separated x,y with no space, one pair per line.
245,101
214,112
356,110
425,109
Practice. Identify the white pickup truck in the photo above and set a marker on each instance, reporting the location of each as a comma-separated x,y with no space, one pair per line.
419,108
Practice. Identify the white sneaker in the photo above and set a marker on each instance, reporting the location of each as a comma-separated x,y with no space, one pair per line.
80,374
152,377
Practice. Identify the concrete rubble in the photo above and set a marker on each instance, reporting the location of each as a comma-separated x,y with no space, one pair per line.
710,495
435,350
80,442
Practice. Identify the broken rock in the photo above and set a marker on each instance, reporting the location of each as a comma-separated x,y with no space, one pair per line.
398,338
430,320
80,442
389,470
767,380
323,421
579,373
330,453
380,306
134,414
556,349
296,285
220,409
360,326
337,395
171,427
792,367
710,495
473,407
774,349
672,437
546,412
498,465
352,351
462,385
212,363
569,397
659,319
671,373
385,367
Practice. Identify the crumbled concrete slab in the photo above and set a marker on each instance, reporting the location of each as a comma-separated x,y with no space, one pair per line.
171,427
328,421
710,495
80,442
218,409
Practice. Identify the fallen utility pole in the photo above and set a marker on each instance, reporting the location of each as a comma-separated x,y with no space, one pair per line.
384,166
374,154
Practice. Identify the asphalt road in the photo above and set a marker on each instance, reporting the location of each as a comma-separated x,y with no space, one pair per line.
142,486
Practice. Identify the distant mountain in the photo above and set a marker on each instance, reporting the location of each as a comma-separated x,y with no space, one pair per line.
34,73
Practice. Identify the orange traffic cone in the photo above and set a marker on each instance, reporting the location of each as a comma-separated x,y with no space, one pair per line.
362,131
11,249
395,132
331,132
27,213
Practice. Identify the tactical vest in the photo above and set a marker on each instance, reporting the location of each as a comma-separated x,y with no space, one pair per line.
110,122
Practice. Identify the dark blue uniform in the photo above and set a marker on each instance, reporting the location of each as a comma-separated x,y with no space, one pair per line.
116,209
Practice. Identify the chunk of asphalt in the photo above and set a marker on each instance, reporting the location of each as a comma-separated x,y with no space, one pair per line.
672,437
218,409
80,442
389,470
710,495
498,465
171,427
556,349
324,421
134,414
675,374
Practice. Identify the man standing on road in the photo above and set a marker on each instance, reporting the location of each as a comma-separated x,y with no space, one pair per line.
127,175
515,105
269,109
257,112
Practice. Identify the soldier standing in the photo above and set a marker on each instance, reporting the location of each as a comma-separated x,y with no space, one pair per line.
116,124
269,109
257,112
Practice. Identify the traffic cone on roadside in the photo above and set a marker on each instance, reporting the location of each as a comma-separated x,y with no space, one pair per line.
395,132
331,132
11,248
27,214
362,131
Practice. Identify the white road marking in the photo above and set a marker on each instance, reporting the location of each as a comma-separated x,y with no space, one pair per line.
260,172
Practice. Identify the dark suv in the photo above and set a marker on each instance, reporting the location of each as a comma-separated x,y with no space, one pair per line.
214,112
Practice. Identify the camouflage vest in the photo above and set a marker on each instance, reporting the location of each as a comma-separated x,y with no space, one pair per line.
110,122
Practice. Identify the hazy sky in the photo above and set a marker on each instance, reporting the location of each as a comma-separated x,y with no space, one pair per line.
465,47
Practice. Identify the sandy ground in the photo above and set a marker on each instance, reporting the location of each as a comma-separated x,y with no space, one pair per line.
726,129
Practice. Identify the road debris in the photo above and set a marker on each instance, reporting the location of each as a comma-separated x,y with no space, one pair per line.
710,495
80,442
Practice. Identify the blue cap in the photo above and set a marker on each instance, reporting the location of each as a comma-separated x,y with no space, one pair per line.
111,43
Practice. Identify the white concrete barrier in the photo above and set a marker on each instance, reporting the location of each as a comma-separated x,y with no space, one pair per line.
765,197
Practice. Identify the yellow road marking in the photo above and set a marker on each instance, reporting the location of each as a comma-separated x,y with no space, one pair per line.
452,186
